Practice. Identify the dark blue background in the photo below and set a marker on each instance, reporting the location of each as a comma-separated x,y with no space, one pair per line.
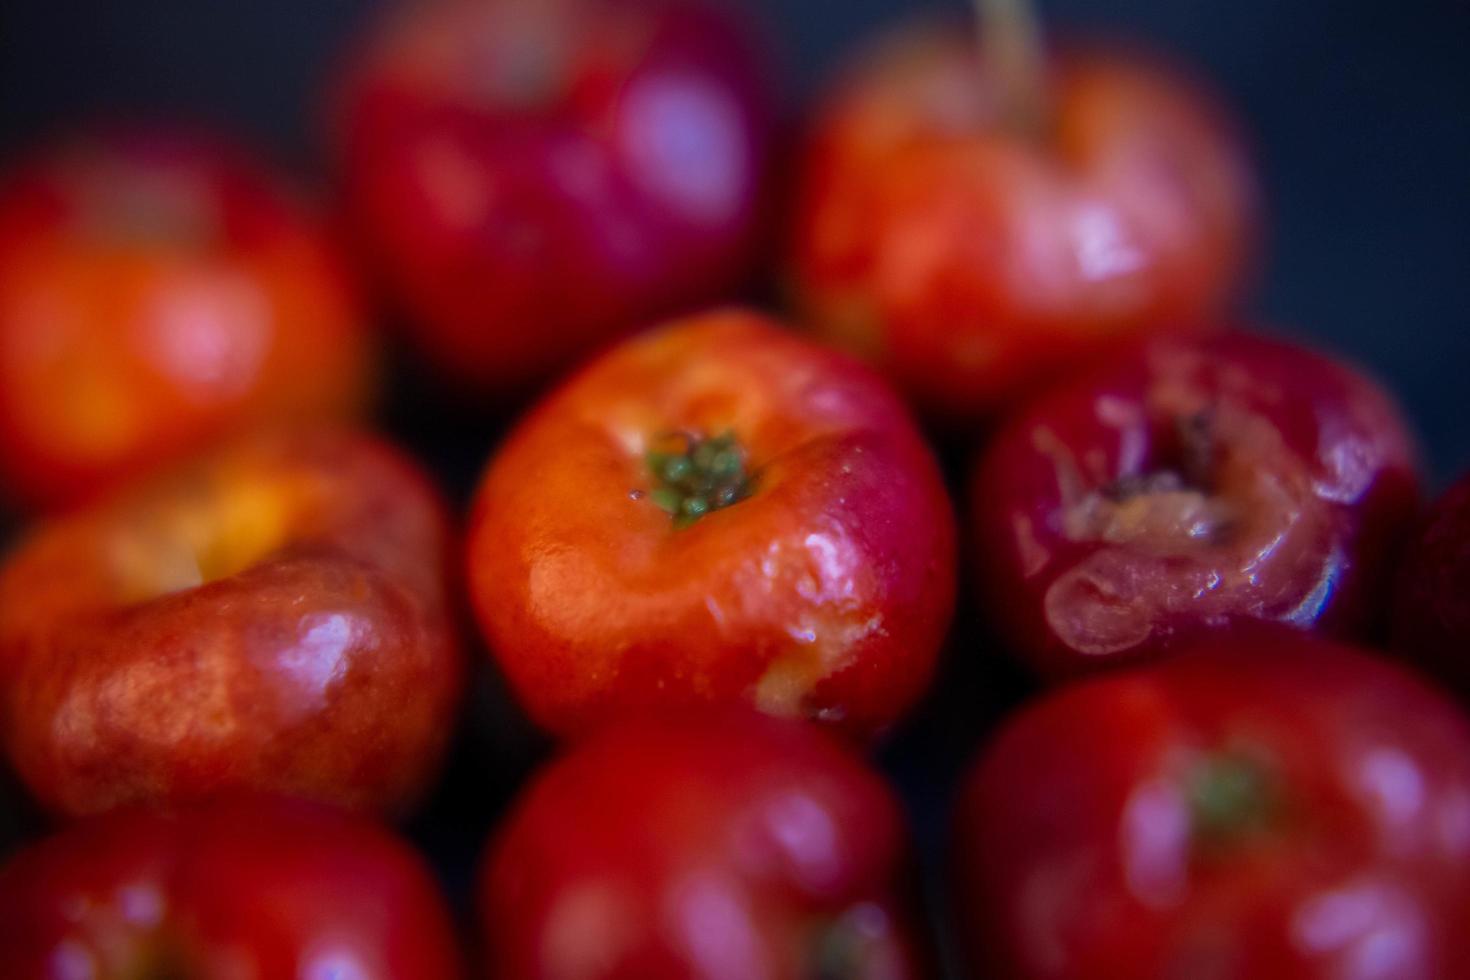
1360,111
1361,116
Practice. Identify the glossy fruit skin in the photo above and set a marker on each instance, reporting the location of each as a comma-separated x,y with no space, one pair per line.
717,845
243,888
272,617
158,291
1079,853
535,177
824,594
1312,480
1431,620
970,261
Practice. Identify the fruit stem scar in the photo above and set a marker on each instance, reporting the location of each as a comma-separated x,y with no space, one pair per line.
694,475
1230,795
1194,457
1198,448
1012,54
844,948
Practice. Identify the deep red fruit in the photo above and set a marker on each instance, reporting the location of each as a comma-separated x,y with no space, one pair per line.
247,889
534,177
1431,621
722,846
274,616
1276,809
1187,487
715,512
160,290
970,257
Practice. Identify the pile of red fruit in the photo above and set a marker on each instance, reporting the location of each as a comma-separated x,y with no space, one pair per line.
718,561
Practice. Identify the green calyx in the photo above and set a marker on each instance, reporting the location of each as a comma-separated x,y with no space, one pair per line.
694,476
849,946
1230,796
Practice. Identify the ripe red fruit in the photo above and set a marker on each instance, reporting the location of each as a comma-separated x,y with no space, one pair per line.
252,888
159,290
969,255
1276,808
534,177
715,512
724,846
272,617
1431,621
1188,487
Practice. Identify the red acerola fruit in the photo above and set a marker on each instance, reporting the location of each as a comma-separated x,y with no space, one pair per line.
240,888
274,616
970,256
1270,809
534,177
1186,487
715,512
160,290
728,845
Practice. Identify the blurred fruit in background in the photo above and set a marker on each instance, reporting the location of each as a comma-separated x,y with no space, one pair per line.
1190,486
1431,621
249,888
715,512
534,177
1272,808
972,232
275,616
160,290
728,845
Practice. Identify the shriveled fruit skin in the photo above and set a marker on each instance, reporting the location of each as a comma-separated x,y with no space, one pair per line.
1187,487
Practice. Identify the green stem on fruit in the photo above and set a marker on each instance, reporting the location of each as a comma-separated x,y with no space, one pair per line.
1230,796
694,475
844,948
1012,54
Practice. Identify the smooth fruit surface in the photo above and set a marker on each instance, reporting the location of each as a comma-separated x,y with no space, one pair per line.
159,290
534,177
242,889
717,511
1273,810
722,846
969,259
273,617
1187,487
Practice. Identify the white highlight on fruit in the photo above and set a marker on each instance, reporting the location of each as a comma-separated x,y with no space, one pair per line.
72,961
335,963
1154,836
318,659
1372,930
683,136
807,837
1101,245
212,335
710,918
1394,786
141,904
